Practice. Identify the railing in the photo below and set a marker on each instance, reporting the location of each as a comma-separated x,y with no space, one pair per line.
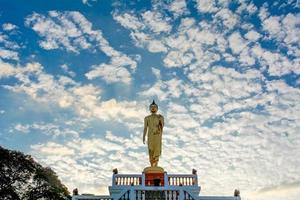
156,194
182,180
91,197
188,196
171,180
127,179
125,195
218,198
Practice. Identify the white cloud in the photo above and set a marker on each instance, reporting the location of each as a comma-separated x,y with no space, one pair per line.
22,128
253,35
156,72
84,157
7,47
285,30
272,25
178,7
164,90
228,18
9,27
66,69
8,54
73,32
87,2
49,129
156,22
263,12
84,99
177,59
276,63
237,43
129,21
291,28
232,117
207,6
156,46
110,73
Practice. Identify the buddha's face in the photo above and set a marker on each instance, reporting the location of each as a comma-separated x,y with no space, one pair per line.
153,109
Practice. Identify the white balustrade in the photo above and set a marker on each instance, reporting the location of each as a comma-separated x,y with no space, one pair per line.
171,180
127,179
182,180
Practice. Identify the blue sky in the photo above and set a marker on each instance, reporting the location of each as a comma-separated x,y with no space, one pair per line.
76,79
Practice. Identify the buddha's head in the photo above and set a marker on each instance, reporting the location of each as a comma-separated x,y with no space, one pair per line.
153,107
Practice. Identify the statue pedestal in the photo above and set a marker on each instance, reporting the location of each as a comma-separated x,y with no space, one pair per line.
154,176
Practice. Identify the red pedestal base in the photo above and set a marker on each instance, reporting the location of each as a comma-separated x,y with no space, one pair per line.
154,179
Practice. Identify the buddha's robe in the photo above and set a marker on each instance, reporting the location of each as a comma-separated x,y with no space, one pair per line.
154,124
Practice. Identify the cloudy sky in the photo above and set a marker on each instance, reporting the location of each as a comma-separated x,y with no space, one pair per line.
76,79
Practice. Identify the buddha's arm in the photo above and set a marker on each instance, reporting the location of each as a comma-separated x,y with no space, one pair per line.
161,122
145,130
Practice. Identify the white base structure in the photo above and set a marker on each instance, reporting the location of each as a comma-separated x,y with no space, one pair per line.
137,187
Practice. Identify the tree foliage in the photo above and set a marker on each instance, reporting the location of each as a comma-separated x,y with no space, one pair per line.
23,178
